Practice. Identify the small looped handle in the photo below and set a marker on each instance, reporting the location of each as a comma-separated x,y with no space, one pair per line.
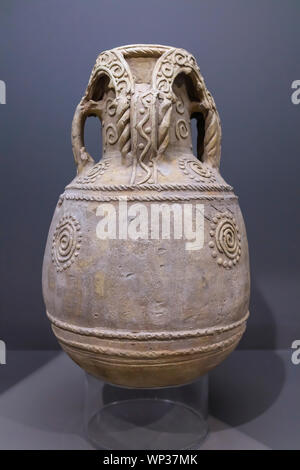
212,139
209,131
86,108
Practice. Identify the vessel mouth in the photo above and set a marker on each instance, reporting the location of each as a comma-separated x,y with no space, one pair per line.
143,50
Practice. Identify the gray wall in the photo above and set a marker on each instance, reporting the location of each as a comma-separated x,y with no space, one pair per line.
248,52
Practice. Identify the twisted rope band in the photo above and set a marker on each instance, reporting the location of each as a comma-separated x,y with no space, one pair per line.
152,354
154,187
142,50
143,335
153,197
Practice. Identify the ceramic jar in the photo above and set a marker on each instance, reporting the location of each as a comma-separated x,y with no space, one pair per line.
146,269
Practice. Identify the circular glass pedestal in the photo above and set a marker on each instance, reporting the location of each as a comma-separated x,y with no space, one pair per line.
149,419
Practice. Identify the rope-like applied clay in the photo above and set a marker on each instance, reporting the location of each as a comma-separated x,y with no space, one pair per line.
108,351
147,198
123,126
212,138
144,335
142,50
165,112
154,187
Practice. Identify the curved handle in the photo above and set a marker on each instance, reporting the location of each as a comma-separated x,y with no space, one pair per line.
209,132
85,108
212,139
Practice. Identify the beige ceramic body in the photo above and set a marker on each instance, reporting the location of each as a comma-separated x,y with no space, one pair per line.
147,313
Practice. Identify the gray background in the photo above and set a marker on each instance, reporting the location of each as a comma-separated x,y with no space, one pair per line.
248,52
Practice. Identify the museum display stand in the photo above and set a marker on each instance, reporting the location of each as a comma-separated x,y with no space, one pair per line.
149,419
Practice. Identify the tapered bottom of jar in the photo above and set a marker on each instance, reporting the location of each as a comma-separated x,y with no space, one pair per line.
159,362
147,374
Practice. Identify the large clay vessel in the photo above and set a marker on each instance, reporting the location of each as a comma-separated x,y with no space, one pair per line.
138,306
